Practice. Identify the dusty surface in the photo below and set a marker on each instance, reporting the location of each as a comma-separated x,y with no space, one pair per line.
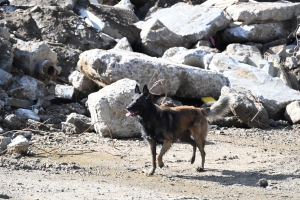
89,167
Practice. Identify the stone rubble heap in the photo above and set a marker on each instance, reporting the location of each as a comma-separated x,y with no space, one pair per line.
65,65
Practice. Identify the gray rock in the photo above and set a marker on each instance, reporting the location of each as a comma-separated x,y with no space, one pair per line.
156,38
192,22
292,112
41,3
27,114
193,57
82,83
291,63
271,92
123,44
253,12
80,121
243,50
108,106
18,145
163,76
263,182
6,55
247,108
5,79
261,33
4,141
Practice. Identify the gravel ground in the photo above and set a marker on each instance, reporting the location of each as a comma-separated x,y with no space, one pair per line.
240,164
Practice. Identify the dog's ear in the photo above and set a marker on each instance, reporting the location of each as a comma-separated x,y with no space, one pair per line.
137,89
145,90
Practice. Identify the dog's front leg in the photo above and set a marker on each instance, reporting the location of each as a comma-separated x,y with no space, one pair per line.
166,146
152,144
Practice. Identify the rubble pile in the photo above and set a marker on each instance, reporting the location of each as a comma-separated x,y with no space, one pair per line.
65,65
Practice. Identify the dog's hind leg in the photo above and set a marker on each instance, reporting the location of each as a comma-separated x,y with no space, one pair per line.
152,145
166,146
199,133
186,138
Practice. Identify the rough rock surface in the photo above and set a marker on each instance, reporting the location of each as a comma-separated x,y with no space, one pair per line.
292,112
109,106
199,22
106,67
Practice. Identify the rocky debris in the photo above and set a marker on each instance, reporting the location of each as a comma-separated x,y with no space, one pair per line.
113,21
292,112
199,22
108,109
18,145
200,49
179,80
267,89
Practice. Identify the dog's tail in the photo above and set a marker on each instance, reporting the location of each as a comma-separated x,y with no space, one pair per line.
217,110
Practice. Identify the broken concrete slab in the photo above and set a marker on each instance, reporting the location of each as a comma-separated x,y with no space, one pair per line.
260,33
6,55
272,92
292,112
247,108
198,57
30,57
109,105
253,12
166,77
157,38
5,79
192,22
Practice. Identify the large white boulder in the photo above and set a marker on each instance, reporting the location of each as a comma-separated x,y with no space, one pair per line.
109,105
166,77
292,112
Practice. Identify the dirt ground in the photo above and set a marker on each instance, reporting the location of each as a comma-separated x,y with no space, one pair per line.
89,167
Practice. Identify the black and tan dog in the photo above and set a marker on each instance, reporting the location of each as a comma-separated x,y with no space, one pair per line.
166,125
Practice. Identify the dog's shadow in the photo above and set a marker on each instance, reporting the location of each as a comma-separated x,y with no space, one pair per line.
229,177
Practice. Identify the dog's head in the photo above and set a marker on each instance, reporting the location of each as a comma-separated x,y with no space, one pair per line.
140,101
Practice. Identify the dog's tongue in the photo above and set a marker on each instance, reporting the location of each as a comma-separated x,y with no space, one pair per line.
128,114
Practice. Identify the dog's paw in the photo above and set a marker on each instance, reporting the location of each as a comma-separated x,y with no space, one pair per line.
200,169
192,160
150,173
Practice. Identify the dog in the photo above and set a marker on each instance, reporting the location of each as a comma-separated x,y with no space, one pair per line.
166,125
